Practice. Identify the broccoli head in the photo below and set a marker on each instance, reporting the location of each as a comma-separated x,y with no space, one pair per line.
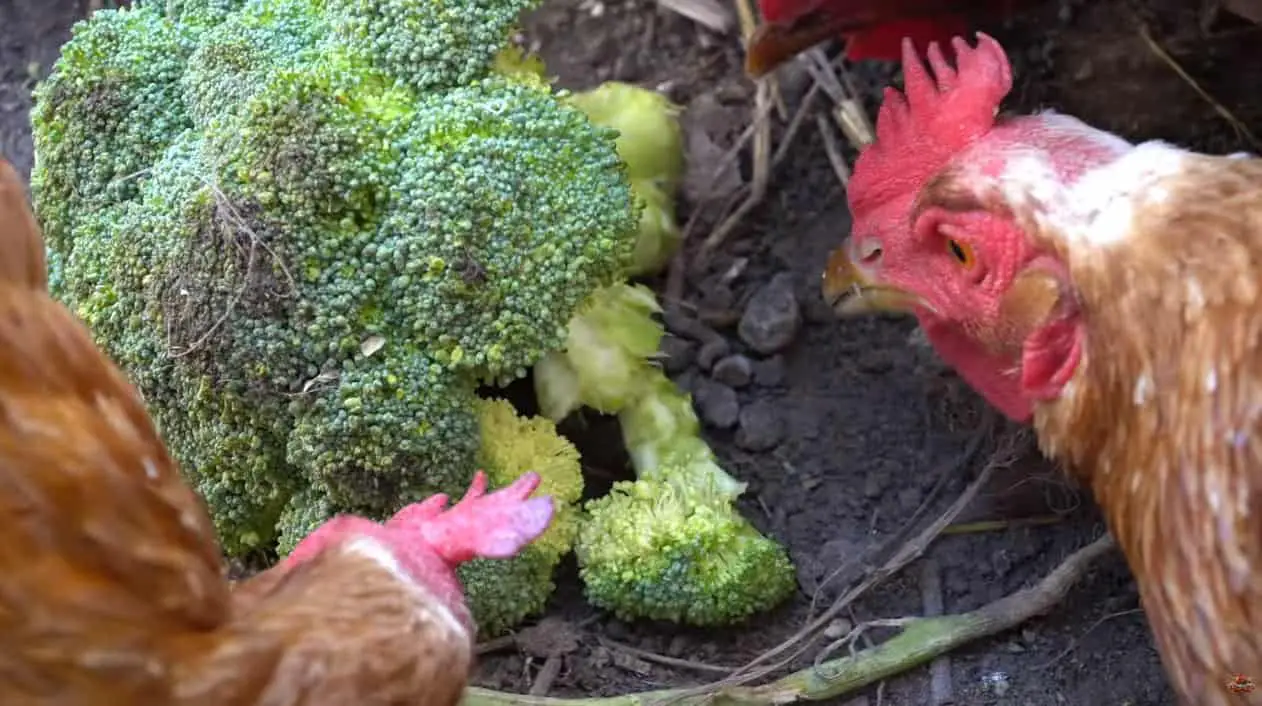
310,229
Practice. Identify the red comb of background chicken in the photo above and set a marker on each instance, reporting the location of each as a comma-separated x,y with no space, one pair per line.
918,132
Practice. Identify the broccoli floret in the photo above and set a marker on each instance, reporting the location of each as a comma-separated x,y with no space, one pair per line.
107,113
670,545
669,550
310,229
428,44
501,593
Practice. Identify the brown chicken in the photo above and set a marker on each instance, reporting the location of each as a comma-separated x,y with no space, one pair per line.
1111,294
111,589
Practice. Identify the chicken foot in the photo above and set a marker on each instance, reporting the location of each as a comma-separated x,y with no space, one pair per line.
921,640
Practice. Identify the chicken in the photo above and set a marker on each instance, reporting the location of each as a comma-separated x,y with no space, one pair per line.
112,589
1110,294
873,29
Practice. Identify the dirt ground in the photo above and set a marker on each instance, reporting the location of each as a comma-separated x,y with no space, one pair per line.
844,433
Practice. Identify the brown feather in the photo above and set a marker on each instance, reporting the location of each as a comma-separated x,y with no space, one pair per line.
112,590
1164,416
23,260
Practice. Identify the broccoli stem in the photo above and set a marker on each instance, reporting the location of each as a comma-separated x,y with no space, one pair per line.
921,640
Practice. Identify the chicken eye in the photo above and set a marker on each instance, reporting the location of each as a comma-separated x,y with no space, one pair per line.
962,252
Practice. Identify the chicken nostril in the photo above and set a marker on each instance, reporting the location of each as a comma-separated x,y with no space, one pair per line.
869,252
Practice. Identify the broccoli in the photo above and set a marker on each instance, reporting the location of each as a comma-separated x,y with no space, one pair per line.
503,592
311,229
651,142
670,545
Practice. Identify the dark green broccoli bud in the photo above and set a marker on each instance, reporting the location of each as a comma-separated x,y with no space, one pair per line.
397,429
501,593
316,143
505,187
194,13
105,114
306,511
170,257
240,57
429,45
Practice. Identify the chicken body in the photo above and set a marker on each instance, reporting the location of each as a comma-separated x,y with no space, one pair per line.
872,29
1111,294
111,590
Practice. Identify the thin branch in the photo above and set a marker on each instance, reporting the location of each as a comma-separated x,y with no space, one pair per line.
921,640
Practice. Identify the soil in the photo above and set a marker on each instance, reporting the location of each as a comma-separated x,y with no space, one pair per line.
872,421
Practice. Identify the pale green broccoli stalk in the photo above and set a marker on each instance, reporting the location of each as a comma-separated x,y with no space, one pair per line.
310,229
651,142
501,593
670,545
602,364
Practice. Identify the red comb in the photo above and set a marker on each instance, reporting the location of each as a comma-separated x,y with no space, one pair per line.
494,526
917,134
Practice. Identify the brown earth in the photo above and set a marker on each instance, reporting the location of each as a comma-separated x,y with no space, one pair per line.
872,422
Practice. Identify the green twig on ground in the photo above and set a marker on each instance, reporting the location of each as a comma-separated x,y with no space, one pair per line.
921,640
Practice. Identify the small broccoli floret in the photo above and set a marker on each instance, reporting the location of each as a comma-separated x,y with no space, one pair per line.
398,427
501,593
672,545
669,550
239,55
429,44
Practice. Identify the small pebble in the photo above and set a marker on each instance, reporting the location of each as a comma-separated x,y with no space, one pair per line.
838,628
716,404
875,484
761,427
909,499
769,372
712,351
678,354
733,371
772,316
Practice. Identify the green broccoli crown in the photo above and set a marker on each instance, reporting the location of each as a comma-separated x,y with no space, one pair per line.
665,550
310,228
501,593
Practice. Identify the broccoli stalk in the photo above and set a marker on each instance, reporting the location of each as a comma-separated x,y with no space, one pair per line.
651,142
670,545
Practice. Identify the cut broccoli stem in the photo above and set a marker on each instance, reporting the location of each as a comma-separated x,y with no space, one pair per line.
670,545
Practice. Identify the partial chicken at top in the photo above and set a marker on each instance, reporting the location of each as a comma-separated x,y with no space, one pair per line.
112,590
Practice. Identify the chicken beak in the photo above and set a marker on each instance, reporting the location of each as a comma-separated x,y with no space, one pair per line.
774,43
851,292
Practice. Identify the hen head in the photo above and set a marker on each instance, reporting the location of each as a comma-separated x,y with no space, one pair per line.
933,234
424,542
